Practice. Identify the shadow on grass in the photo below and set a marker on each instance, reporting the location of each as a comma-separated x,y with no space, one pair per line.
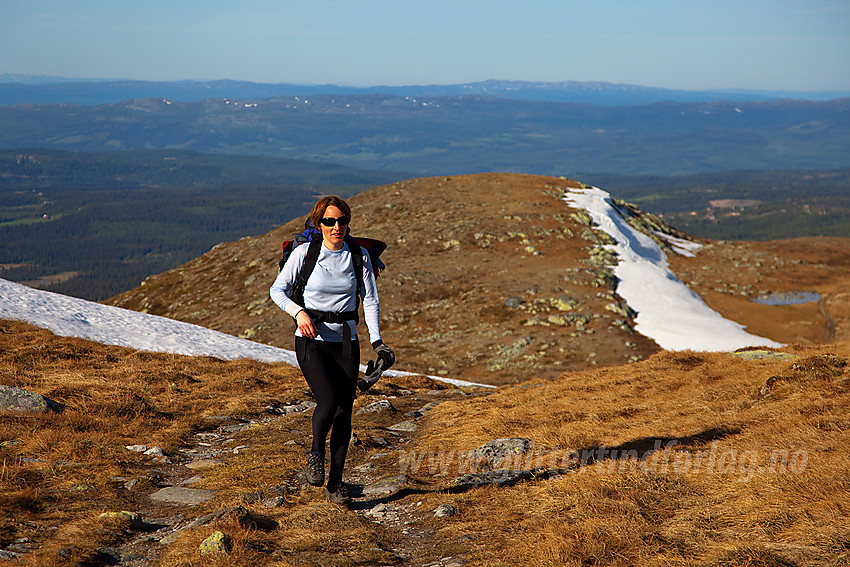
638,450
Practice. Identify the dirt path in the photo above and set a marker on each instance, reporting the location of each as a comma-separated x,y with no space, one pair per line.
380,495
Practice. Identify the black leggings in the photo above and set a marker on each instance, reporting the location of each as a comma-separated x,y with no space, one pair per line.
332,380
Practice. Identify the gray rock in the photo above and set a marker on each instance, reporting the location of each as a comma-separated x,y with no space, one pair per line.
389,485
8,555
498,450
239,512
375,407
18,399
444,510
377,510
513,302
182,496
497,477
274,502
293,408
428,407
406,426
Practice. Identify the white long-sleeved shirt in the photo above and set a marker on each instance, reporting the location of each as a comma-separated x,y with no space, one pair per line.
331,287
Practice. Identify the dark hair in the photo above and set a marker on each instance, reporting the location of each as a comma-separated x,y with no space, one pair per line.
322,204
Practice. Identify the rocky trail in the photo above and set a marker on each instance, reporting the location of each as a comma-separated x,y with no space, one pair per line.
168,495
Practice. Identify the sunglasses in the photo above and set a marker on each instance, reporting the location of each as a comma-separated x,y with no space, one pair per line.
330,221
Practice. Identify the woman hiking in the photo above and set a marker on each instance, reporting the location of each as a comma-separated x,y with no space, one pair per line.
326,343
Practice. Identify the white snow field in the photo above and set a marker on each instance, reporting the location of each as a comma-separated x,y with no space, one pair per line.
667,310
74,317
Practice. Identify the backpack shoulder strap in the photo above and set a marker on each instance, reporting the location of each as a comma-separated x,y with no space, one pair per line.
310,259
357,260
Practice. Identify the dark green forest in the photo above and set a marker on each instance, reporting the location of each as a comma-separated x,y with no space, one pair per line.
108,220
773,204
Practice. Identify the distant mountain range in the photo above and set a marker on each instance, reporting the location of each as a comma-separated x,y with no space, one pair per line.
453,135
42,89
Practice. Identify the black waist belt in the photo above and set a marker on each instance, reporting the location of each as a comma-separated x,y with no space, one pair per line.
337,318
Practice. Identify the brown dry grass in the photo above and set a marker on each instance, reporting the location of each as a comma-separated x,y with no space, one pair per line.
733,414
114,397
667,510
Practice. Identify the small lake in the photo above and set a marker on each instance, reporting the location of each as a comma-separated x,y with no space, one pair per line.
788,298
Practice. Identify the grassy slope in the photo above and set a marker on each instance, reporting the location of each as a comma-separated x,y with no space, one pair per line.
669,509
607,512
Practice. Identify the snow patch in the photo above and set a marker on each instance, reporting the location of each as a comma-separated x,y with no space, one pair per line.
680,246
74,317
667,311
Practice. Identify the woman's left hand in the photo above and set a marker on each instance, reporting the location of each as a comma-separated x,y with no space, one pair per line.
384,353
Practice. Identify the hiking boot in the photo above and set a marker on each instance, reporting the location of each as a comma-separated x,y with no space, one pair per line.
338,495
315,471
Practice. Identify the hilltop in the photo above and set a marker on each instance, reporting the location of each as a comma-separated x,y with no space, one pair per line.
493,278
684,458
122,216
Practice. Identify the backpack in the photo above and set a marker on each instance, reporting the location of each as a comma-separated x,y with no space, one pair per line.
313,237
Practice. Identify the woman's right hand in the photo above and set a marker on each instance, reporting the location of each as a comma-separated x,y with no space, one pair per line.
305,325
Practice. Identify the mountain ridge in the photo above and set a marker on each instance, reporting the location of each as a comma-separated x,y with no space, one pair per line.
21,89
492,278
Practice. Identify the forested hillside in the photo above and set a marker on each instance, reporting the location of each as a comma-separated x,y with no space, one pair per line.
456,135
96,224
92,225
743,205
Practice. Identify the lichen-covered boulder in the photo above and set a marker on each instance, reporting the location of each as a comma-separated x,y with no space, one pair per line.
216,543
18,399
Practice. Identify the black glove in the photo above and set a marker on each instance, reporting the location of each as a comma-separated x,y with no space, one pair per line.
385,353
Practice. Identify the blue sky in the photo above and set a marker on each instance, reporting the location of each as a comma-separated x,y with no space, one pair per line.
799,45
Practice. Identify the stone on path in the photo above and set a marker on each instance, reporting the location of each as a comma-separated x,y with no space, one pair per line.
182,496
406,426
374,407
385,486
444,510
